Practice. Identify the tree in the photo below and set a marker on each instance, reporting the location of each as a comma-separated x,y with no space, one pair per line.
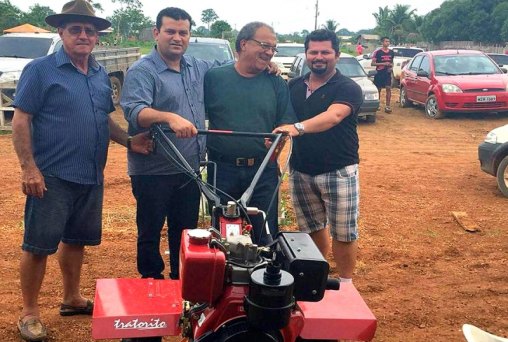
382,21
304,33
96,5
208,16
401,23
11,15
219,29
129,20
330,25
476,20
200,31
36,16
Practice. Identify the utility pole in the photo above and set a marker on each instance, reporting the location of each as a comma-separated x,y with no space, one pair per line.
317,13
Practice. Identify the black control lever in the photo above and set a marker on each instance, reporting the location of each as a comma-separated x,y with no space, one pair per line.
333,284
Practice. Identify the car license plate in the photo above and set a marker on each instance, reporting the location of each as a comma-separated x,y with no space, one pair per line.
489,98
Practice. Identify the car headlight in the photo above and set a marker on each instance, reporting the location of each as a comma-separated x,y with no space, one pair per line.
491,138
371,96
451,88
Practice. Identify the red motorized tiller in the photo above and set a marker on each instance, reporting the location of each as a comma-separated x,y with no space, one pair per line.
231,290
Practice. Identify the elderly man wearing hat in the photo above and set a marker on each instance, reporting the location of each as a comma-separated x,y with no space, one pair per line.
61,133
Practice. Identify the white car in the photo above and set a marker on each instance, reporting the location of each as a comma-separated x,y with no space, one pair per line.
500,59
286,53
402,56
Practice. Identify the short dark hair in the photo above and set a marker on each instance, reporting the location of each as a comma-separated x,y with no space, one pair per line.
249,31
322,35
383,38
174,13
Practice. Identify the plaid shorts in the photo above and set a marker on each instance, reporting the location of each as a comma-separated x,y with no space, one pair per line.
330,198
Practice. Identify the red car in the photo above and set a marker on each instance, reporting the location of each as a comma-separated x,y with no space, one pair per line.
454,81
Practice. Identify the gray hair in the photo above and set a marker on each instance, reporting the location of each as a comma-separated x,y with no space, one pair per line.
248,31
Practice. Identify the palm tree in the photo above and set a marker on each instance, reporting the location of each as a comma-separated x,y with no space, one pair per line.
382,20
402,22
331,25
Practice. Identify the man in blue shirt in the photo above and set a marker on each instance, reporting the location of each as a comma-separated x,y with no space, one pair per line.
165,87
61,131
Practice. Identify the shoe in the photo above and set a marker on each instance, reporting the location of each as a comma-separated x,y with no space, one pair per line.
69,310
388,109
31,329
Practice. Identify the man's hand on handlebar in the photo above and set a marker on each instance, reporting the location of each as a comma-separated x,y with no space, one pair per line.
183,128
287,130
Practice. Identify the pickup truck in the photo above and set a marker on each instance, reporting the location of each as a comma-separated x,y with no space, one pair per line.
18,49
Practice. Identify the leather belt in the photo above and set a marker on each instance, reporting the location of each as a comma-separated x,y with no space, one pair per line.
239,161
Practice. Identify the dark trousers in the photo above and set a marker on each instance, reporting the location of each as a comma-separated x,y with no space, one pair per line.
174,198
234,180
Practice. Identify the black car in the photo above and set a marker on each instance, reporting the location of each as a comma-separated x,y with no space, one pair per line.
493,155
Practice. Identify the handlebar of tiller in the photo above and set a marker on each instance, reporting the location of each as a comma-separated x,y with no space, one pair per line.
244,200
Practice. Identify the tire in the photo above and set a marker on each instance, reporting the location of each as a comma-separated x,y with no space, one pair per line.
432,109
370,118
502,176
403,100
116,86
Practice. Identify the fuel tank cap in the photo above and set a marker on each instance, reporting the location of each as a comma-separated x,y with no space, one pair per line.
199,236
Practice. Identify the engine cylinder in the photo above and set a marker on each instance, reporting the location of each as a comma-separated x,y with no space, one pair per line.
270,300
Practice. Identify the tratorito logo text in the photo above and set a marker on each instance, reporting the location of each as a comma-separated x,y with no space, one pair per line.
154,323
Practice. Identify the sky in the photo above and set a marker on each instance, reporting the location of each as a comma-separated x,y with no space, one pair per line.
286,16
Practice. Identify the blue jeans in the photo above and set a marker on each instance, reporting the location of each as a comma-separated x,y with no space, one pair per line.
234,180
174,198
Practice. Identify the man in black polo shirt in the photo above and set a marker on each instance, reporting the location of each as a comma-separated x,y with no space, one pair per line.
244,97
324,166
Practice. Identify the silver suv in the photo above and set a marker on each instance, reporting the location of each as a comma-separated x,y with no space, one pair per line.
348,66
210,49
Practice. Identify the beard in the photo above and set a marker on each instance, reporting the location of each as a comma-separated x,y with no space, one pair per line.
319,70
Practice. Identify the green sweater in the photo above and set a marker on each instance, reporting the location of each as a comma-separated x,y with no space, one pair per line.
255,104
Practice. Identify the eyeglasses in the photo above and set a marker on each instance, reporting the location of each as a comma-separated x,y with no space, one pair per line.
76,30
265,46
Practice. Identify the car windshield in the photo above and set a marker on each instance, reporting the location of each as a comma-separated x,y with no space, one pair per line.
24,47
500,59
464,65
289,51
406,52
209,51
347,66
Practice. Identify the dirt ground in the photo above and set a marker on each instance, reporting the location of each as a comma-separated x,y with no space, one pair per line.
421,274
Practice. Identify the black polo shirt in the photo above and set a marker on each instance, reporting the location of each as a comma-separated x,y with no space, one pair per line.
317,153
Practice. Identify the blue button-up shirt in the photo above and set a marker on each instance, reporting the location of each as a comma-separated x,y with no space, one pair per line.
150,83
70,112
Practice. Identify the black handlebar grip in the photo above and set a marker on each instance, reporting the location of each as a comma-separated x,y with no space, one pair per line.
332,284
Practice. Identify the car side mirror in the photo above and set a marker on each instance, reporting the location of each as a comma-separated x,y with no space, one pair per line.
366,57
372,73
504,70
422,73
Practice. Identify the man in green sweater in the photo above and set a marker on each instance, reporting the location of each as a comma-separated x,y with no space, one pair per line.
244,97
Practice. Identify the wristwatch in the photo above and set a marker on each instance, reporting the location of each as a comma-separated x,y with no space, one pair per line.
300,128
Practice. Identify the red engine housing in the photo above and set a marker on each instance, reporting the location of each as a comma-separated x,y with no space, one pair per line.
201,270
